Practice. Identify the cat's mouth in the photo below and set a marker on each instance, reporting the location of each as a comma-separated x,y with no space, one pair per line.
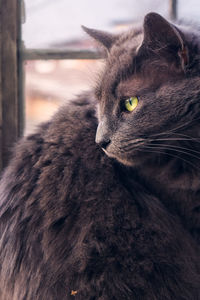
109,154
120,159
127,155
147,150
124,159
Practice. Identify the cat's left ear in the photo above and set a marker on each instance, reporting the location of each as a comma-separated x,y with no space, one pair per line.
104,38
160,36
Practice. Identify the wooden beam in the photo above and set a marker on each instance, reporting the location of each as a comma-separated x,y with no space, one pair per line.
45,54
9,24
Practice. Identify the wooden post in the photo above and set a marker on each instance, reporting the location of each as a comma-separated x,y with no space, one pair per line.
9,69
1,105
173,9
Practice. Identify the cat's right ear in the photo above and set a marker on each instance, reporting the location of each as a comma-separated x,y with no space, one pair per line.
103,38
164,38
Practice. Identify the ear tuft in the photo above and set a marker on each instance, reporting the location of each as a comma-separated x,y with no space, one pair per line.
104,38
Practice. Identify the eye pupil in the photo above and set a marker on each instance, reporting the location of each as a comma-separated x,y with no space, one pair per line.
131,103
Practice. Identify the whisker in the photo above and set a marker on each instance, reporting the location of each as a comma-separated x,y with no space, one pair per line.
171,139
127,147
178,127
184,148
192,138
154,150
190,151
187,137
179,150
132,144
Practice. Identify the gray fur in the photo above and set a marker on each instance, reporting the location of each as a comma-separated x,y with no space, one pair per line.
80,223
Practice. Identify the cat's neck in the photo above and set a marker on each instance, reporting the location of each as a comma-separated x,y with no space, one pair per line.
177,188
172,176
172,183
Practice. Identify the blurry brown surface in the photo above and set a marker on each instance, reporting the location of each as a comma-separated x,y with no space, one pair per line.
9,79
49,84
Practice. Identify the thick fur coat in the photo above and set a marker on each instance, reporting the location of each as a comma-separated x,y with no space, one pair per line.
76,223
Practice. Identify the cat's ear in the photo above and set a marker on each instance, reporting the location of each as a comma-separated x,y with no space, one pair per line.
160,35
104,38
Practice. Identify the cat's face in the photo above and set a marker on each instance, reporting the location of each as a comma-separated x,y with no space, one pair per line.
145,94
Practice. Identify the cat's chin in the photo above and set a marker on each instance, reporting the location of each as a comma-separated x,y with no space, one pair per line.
123,160
126,162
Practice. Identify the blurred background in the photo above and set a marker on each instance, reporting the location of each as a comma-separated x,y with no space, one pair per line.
55,27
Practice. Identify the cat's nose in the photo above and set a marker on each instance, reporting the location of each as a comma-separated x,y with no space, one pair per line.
102,138
104,143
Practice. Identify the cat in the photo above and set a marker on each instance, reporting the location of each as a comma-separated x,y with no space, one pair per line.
103,201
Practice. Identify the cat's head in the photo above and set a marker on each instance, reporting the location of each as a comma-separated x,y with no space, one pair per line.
149,92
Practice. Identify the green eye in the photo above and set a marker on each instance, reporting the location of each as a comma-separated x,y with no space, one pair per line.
131,103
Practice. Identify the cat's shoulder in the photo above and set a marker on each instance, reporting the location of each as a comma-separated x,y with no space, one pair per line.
66,138
73,121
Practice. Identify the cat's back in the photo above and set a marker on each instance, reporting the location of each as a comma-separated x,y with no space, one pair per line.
55,197
74,223
41,188
55,145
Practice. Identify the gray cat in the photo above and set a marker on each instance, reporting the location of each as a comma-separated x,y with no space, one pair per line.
117,219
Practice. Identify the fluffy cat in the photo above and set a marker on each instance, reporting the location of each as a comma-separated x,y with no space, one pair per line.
80,223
